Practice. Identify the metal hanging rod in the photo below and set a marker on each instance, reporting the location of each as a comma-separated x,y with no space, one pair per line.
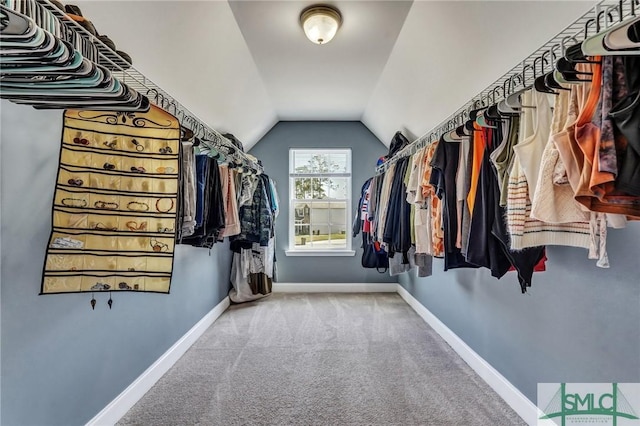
94,49
604,14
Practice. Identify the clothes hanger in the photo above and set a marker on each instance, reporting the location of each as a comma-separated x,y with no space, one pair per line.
621,39
142,105
564,70
59,53
469,127
569,73
481,120
506,110
450,135
460,128
455,125
100,91
460,131
552,83
186,134
40,43
188,123
540,85
41,70
555,81
105,87
546,83
478,107
445,132
493,111
559,78
108,94
513,100
207,147
574,54
15,26
502,106
626,39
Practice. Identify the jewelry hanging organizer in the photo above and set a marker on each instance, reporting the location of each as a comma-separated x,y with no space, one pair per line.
115,203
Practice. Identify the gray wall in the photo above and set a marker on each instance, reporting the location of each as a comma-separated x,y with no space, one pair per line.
578,323
273,151
62,362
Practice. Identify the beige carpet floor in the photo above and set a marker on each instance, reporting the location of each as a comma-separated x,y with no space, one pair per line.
321,359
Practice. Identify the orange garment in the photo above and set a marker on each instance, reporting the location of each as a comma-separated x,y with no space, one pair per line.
596,190
425,186
571,154
593,182
479,144
437,231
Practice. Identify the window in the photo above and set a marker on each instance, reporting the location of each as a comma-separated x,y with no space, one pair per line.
319,202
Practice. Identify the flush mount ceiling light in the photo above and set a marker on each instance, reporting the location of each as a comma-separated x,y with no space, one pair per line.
320,23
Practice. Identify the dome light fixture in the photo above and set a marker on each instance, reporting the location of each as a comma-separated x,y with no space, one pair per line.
320,23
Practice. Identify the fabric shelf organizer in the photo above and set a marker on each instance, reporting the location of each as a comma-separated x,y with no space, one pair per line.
115,203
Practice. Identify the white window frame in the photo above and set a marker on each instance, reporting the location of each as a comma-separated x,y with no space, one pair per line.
338,251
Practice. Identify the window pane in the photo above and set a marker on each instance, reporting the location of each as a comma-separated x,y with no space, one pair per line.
338,163
319,212
319,162
320,189
303,230
338,236
320,231
320,235
320,224
302,236
302,214
338,214
302,162
303,187
337,187
311,163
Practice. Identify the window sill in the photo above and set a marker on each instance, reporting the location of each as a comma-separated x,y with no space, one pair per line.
320,252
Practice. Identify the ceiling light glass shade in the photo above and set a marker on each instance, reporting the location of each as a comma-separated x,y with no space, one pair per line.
320,23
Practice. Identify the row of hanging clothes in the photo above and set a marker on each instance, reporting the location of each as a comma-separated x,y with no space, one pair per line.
553,164
223,198
134,180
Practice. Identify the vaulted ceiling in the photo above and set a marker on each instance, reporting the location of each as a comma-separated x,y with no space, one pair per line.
242,66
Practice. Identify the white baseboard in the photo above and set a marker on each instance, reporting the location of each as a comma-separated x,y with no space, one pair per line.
509,393
136,390
334,288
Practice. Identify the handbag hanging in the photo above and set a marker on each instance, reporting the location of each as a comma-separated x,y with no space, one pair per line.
373,255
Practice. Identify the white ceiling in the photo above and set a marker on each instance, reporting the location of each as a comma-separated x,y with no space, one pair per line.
307,81
395,65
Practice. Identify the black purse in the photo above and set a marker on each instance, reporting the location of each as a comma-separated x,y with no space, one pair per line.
373,257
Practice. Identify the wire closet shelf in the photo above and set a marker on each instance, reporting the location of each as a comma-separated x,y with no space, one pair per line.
97,51
601,16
